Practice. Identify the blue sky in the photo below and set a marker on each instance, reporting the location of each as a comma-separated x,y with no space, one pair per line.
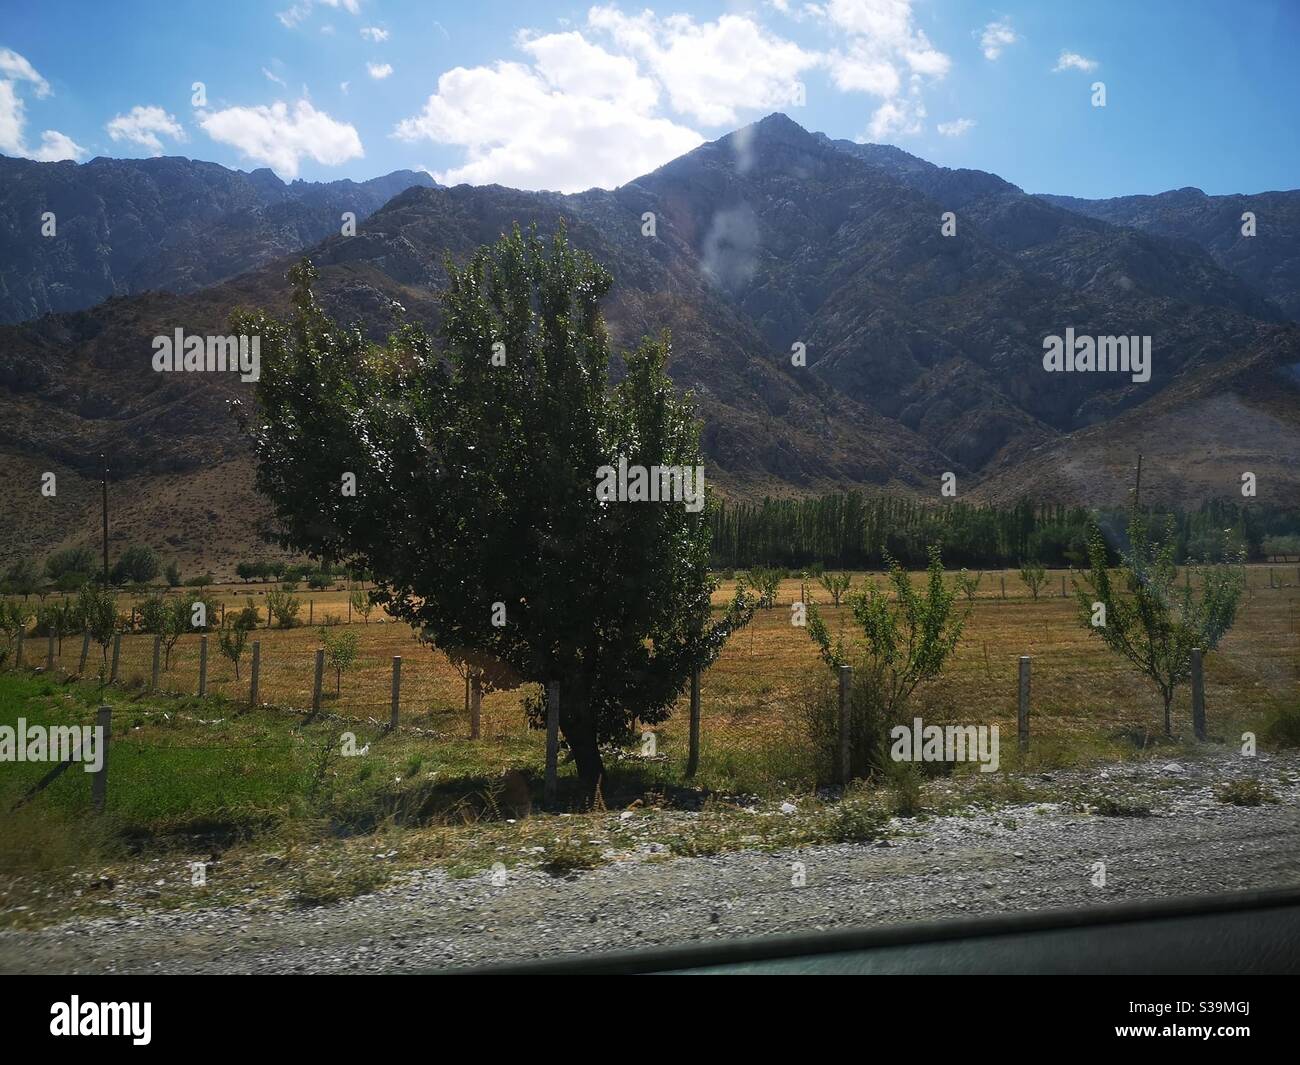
563,96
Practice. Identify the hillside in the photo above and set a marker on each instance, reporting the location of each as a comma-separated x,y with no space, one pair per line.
124,226
924,352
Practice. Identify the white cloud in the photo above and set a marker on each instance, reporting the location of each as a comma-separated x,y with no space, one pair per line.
997,36
374,33
13,119
16,68
280,138
712,70
955,128
578,116
882,50
1074,61
297,13
343,87
379,71
56,146
897,117
142,126
271,76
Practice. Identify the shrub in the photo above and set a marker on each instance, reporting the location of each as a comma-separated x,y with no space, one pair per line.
284,608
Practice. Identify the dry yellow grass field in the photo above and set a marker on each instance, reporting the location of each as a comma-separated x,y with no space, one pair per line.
749,696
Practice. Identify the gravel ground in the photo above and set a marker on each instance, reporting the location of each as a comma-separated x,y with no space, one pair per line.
1011,858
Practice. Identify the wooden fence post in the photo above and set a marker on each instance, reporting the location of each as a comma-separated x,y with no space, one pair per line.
117,655
552,786
1023,715
320,675
397,690
846,688
157,661
311,611
257,666
203,666
475,705
85,651
49,654
99,782
1198,693
693,755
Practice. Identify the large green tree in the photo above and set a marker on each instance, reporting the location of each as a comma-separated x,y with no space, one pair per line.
476,464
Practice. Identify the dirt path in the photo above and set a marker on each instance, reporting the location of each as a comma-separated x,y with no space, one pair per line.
1009,859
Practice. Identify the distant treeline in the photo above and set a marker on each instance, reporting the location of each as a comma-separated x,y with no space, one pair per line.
849,530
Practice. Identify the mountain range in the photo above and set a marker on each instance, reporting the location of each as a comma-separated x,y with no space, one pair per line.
919,296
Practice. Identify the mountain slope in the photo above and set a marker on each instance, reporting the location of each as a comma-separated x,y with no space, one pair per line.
128,225
924,352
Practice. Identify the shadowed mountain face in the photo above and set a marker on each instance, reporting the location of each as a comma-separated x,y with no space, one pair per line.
924,351
123,226
1269,261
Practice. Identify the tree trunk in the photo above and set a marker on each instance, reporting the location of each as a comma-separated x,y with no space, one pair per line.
578,726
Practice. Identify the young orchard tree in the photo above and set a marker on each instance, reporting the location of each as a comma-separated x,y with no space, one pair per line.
909,635
476,466
1151,618
1034,574
969,585
837,584
362,604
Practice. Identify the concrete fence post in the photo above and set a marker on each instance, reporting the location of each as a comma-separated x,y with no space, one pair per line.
397,690
99,782
1022,718
846,724
693,753
1198,693
320,676
552,786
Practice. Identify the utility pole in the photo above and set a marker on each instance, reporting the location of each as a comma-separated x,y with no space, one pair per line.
1137,488
103,463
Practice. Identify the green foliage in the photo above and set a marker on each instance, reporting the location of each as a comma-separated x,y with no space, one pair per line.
477,483
22,578
137,565
837,584
909,635
765,583
166,616
362,604
340,653
71,567
97,610
232,640
969,585
172,574
1151,618
14,618
284,608
1033,574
